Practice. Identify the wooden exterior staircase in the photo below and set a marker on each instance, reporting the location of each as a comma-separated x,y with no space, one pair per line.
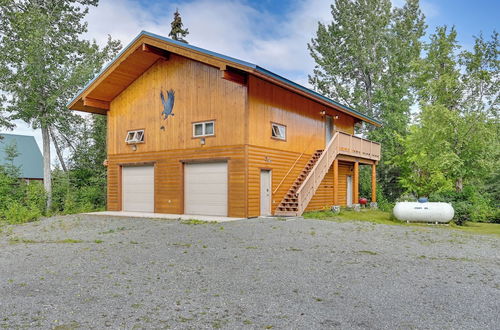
303,189
289,206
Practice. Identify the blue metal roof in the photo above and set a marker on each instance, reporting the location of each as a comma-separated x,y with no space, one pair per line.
249,65
29,160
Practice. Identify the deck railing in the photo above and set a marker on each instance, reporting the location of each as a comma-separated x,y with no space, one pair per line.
340,144
358,147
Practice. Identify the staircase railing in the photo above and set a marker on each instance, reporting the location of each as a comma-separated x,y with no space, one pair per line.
341,143
294,163
308,188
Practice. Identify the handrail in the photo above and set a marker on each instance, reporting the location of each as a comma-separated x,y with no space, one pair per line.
323,155
341,143
293,165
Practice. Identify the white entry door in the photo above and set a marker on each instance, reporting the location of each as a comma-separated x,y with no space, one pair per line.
349,190
205,189
265,192
138,188
328,129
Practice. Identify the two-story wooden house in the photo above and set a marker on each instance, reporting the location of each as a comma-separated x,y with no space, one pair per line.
191,131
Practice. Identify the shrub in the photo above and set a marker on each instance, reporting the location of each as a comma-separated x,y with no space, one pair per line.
469,205
462,212
35,196
16,213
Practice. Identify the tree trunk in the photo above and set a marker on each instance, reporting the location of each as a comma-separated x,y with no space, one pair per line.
47,178
58,151
459,185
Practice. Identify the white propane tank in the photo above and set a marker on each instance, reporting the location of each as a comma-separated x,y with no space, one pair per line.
424,212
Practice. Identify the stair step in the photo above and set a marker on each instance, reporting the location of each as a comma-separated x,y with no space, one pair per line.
286,214
289,206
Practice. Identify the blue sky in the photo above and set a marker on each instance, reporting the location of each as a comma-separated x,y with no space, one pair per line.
273,34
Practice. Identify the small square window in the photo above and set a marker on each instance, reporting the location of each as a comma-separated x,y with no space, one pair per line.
278,131
204,129
198,129
209,128
135,136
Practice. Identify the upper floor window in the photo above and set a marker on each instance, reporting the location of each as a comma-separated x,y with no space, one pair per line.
278,131
136,136
206,128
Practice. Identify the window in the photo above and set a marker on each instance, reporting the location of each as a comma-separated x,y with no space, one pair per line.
278,131
136,136
206,128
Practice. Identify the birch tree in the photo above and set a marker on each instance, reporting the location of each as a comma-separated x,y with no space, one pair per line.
44,60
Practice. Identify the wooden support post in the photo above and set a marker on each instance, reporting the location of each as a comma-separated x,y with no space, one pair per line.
355,184
336,182
374,183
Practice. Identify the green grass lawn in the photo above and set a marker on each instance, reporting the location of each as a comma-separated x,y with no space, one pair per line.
386,218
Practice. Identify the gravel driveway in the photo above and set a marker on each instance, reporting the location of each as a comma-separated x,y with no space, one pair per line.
94,272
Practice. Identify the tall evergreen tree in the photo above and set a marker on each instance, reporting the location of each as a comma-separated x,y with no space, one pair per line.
178,32
44,60
364,58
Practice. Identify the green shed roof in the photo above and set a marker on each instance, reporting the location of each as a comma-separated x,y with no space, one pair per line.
29,160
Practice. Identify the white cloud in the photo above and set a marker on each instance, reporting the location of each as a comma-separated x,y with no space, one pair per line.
231,27
429,9
277,42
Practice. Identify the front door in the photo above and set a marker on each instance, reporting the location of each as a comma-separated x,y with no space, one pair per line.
349,191
265,192
328,129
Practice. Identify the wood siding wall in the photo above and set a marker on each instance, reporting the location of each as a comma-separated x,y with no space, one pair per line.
243,116
305,126
200,94
169,174
279,162
323,199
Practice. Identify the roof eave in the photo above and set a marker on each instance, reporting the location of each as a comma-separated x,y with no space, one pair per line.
77,102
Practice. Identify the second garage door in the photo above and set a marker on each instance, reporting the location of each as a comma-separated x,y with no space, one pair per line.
205,189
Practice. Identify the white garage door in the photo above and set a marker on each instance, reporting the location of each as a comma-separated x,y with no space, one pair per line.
205,189
138,188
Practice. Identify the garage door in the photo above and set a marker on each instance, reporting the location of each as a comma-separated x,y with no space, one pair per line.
138,188
205,189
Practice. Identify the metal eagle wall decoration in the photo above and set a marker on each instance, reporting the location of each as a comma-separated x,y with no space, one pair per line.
168,104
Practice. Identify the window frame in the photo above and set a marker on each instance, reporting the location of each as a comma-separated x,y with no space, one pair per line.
135,133
278,125
203,129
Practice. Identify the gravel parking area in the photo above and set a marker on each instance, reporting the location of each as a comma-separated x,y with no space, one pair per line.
94,272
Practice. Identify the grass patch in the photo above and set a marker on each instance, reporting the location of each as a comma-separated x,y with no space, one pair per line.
376,216
69,240
17,240
182,244
113,230
368,252
479,228
386,218
197,222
